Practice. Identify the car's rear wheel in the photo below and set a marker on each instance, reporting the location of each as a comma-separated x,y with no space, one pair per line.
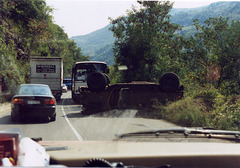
52,118
14,118
169,82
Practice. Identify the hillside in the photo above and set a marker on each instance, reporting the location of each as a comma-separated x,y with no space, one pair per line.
98,44
185,17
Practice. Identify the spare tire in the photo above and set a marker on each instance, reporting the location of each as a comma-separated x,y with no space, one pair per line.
169,82
107,78
97,81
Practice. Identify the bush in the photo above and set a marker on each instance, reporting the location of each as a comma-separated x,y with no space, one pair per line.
206,107
187,112
226,113
230,87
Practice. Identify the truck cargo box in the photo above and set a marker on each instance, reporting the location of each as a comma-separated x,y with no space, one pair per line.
49,71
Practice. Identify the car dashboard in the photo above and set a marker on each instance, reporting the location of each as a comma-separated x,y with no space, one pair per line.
121,152
143,154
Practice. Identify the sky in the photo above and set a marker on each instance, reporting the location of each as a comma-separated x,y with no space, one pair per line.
81,17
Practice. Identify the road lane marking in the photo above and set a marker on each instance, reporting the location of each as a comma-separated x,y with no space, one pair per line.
79,137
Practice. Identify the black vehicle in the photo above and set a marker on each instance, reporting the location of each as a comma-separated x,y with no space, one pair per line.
100,96
33,101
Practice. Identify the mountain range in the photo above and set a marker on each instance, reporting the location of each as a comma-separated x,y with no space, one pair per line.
98,44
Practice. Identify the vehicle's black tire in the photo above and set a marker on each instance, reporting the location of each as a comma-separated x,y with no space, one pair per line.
75,98
108,79
169,82
58,98
53,118
14,119
97,82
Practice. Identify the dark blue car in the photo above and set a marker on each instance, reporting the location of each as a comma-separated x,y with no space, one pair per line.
33,101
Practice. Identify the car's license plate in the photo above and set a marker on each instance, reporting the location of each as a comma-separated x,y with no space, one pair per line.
33,102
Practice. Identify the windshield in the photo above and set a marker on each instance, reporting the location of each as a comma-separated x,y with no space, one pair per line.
81,70
121,67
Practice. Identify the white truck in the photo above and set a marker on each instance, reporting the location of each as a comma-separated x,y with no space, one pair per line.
49,71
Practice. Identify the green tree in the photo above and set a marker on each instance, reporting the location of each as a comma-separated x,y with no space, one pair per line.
28,23
146,41
10,75
213,53
27,29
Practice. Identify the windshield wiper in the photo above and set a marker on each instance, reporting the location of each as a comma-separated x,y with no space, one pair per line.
185,131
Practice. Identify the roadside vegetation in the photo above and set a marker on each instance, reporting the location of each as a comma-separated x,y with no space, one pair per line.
207,63
207,107
212,82
27,29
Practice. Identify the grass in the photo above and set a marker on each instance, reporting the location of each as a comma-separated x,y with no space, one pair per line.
187,112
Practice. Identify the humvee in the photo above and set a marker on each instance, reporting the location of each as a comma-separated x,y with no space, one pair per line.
99,95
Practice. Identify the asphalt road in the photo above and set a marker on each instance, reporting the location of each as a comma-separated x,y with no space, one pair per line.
70,124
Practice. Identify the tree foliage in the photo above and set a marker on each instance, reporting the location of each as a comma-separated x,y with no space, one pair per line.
27,29
149,45
213,53
146,41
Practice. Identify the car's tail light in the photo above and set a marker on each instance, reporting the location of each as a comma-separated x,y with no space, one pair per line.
178,97
49,101
18,101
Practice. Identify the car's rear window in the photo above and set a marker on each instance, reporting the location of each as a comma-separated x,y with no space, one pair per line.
34,90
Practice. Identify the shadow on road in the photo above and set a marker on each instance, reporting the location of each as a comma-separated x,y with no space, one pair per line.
130,113
34,121
76,115
75,111
6,120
